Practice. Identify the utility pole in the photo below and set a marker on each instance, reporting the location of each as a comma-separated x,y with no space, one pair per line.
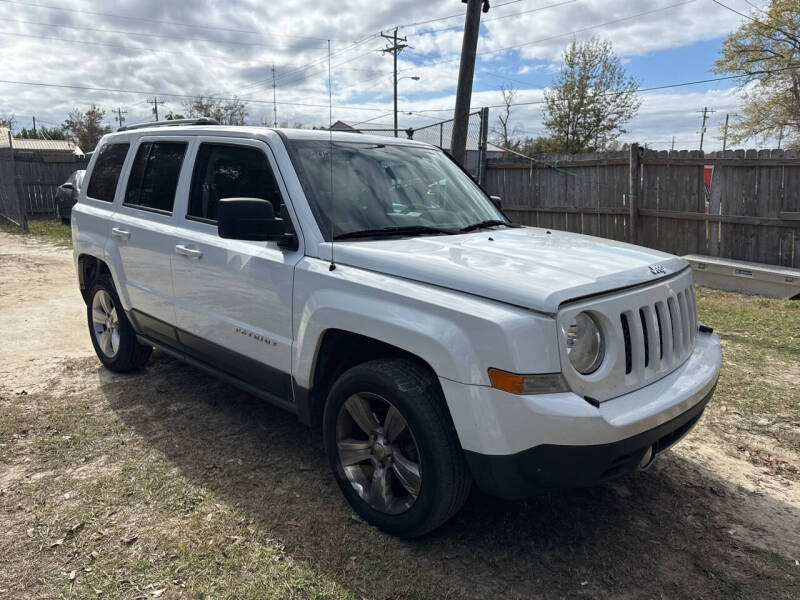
466,72
121,116
705,113
34,126
394,48
274,103
673,143
155,102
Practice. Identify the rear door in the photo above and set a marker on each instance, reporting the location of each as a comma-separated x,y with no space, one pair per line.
233,297
143,231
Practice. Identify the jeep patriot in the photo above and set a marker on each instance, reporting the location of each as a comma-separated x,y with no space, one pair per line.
371,287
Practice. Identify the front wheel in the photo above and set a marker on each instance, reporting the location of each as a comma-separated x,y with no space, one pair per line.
393,449
113,337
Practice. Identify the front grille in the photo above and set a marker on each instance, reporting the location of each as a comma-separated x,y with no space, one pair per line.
660,334
650,331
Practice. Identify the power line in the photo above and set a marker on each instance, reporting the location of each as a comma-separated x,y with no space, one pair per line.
109,45
788,34
733,10
322,59
373,119
410,111
162,22
152,35
637,90
460,15
314,62
303,73
146,92
560,35
506,16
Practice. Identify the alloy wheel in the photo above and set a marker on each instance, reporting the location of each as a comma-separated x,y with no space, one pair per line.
378,453
105,323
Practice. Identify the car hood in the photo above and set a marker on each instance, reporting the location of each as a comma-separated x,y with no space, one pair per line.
530,267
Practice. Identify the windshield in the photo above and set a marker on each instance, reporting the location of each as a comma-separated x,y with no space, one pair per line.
381,186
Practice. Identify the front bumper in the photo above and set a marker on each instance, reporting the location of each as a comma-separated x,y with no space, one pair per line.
516,444
557,466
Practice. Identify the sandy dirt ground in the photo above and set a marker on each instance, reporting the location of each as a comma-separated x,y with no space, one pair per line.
703,522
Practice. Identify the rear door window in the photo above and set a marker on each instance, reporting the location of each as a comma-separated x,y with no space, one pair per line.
227,171
154,176
105,175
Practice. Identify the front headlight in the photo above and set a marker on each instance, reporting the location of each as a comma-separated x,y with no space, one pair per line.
585,346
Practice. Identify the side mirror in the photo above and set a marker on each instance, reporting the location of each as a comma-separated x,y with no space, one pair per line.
252,219
67,186
497,201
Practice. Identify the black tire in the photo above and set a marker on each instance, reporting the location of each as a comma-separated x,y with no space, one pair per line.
130,354
414,391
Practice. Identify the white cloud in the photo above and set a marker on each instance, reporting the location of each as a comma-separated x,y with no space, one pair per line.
228,48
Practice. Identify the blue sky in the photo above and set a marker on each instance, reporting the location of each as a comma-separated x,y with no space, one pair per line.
140,48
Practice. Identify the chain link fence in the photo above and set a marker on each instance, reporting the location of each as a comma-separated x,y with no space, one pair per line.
440,133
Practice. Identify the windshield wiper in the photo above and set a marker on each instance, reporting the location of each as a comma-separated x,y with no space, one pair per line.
390,231
484,225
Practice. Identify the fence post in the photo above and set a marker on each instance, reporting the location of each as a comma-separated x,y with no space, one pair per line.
633,192
18,189
23,213
482,143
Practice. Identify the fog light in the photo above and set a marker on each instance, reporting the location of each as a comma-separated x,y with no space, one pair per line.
647,459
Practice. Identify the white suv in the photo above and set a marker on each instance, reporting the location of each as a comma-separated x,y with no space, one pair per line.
369,286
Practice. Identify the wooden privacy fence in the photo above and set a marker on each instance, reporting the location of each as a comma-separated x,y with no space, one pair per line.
40,181
739,204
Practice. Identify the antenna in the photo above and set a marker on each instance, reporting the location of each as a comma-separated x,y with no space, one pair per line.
330,150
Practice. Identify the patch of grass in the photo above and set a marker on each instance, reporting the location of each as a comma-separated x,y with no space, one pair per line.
170,480
759,324
760,375
121,486
45,228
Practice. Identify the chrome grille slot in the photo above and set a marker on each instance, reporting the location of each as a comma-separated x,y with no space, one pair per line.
653,329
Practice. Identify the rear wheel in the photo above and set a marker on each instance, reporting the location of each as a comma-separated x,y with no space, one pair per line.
392,447
113,337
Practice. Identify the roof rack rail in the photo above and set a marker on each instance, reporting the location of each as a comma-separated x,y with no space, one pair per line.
171,123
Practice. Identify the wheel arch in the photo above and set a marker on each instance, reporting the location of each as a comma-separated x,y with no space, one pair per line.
89,269
337,351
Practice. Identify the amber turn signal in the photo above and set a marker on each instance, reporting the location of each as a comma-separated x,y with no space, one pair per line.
544,383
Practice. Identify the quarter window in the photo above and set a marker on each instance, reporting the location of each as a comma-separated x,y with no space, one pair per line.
224,171
105,174
154,175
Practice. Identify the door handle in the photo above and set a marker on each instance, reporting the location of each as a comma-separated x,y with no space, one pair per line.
120,233
190,252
